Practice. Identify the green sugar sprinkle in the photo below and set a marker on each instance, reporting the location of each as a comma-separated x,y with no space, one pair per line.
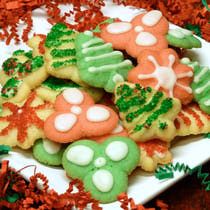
60,53
59,64
22,52
163,125
146,108
166,105
10,88
58,84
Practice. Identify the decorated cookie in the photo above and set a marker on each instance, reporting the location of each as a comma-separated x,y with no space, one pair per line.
192,120
145,113
21,124
154,152
98,64
145,31
182,38
60,53
103,168
48,152
76,116
163,71
53,86
18,73
200,84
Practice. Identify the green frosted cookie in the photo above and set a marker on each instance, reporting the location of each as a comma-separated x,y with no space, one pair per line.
104,168
53,86
48,152
98,64
200,84
182,38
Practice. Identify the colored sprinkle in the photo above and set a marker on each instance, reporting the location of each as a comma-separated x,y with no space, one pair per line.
60,53
59,64
163,125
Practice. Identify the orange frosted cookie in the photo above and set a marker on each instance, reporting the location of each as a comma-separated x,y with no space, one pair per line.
145,31
163,71
77,116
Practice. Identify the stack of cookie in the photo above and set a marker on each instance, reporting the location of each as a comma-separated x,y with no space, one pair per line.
79,103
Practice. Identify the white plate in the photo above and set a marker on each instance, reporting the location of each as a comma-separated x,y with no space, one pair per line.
142,186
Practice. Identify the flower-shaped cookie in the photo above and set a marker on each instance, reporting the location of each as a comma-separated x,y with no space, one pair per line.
145,113
21,124
18,73
145,31
163,71
77,116
104,168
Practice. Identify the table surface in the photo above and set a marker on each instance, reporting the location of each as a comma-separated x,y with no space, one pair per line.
188,194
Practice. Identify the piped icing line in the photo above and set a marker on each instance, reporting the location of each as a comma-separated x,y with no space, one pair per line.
202,72
96,48
109,67
207,102
92,42
200,89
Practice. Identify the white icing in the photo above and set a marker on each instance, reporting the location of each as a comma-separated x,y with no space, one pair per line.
207,103
106,55
80,155
76,110
89,33
166,76
73,96
92,42
146,39
117,150
51,147
97,114
159,154
109,67
176,33
201,73
152,18
202,88
101,47
119,28
20,111
186,32
117,78
64,122
138,29
185,60
118,129
99,162
103,180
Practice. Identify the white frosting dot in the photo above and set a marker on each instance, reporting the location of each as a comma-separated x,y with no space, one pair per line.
51,147
80,155
146,39
73,96
65,122
119,27
76,110
118,78
20,111
97,114
103,180
99,162
151,18
117,150
138,29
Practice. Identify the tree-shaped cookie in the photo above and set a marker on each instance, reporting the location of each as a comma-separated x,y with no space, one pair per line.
163,71
192,121
104,168
20,74
53,86
98,64
145,113
21,124
145,31
200,84
77,116
60,52
182,38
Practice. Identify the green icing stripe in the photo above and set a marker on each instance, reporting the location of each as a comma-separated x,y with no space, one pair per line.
10,89
22,52
166,105
146,108
60,53
58,84
59,64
